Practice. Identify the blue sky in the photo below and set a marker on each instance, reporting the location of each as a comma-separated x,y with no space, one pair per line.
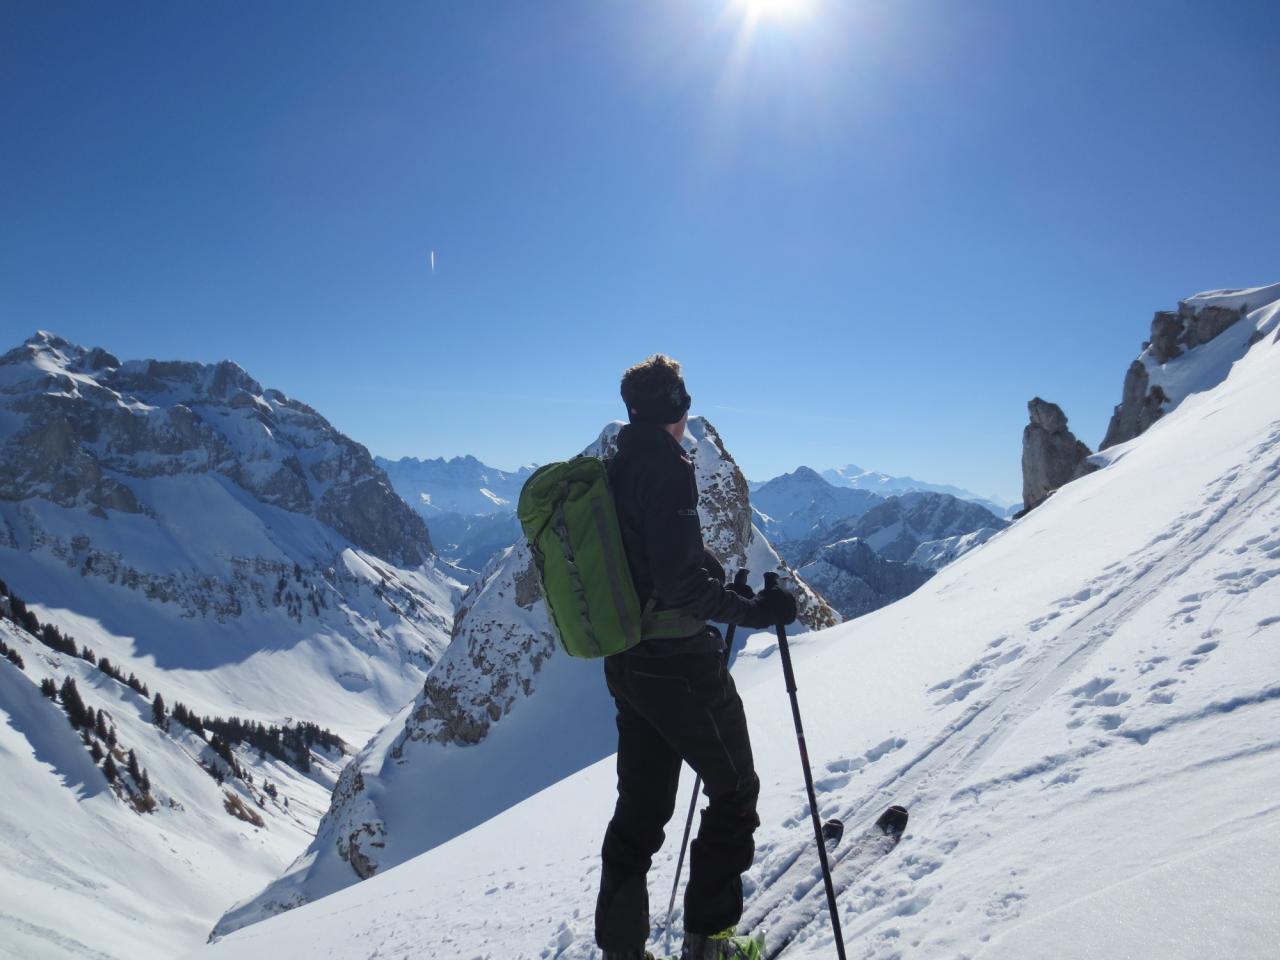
871,231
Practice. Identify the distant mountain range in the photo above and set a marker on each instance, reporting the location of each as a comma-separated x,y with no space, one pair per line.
859,478
469,506
461,485
862,549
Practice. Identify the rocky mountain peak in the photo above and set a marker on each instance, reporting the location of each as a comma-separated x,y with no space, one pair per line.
88,430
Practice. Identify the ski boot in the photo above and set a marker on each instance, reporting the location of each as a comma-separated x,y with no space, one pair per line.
724,945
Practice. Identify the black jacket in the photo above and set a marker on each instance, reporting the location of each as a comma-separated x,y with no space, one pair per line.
656,495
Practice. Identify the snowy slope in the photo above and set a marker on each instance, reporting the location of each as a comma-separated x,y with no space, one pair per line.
83,873
1082,714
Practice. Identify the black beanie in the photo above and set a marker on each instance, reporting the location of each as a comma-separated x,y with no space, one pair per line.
667,406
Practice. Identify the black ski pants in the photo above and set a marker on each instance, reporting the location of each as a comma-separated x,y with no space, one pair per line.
681,707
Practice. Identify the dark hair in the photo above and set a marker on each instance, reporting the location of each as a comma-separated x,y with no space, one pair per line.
654,391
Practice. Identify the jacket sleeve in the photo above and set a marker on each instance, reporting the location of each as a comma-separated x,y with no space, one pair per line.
677,557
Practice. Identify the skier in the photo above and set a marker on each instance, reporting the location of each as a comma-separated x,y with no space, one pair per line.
675,698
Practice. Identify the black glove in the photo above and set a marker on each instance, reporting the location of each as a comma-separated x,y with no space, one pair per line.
741,589
774,607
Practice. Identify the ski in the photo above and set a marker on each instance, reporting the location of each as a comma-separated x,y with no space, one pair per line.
860,856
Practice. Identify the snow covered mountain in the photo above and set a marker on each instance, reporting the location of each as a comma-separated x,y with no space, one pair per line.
217,530
898,526
462,485
884,485
469,507
856,580
505,713
880,554
801,505
1082,717
223,545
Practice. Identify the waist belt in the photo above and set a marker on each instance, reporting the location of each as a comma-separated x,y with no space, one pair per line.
668,624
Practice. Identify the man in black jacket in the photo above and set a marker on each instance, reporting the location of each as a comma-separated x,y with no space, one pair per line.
675,698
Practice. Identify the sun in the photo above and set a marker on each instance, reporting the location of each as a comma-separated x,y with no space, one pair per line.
773,9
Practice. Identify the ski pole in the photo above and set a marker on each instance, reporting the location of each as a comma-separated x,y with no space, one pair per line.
771,581
739,580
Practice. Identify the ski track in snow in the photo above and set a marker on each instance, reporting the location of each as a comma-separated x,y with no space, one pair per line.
944,767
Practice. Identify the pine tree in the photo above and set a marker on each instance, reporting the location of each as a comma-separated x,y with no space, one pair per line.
95,751
100,727
145,782
72,703
157,712
49,688
109,769
134,771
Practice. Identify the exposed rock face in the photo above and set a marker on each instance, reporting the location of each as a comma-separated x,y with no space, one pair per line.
857,580
84,420
1173,333
1051,454
1140,406
502,638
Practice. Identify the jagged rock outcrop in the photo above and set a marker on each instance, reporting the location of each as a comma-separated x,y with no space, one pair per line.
1051,454
856,580
1173,333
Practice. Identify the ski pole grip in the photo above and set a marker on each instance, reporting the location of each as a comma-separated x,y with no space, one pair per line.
740,578
770,580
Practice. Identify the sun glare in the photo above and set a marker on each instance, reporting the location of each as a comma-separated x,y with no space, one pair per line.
773,9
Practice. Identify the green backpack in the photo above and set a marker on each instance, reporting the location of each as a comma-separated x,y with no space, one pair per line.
568,516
